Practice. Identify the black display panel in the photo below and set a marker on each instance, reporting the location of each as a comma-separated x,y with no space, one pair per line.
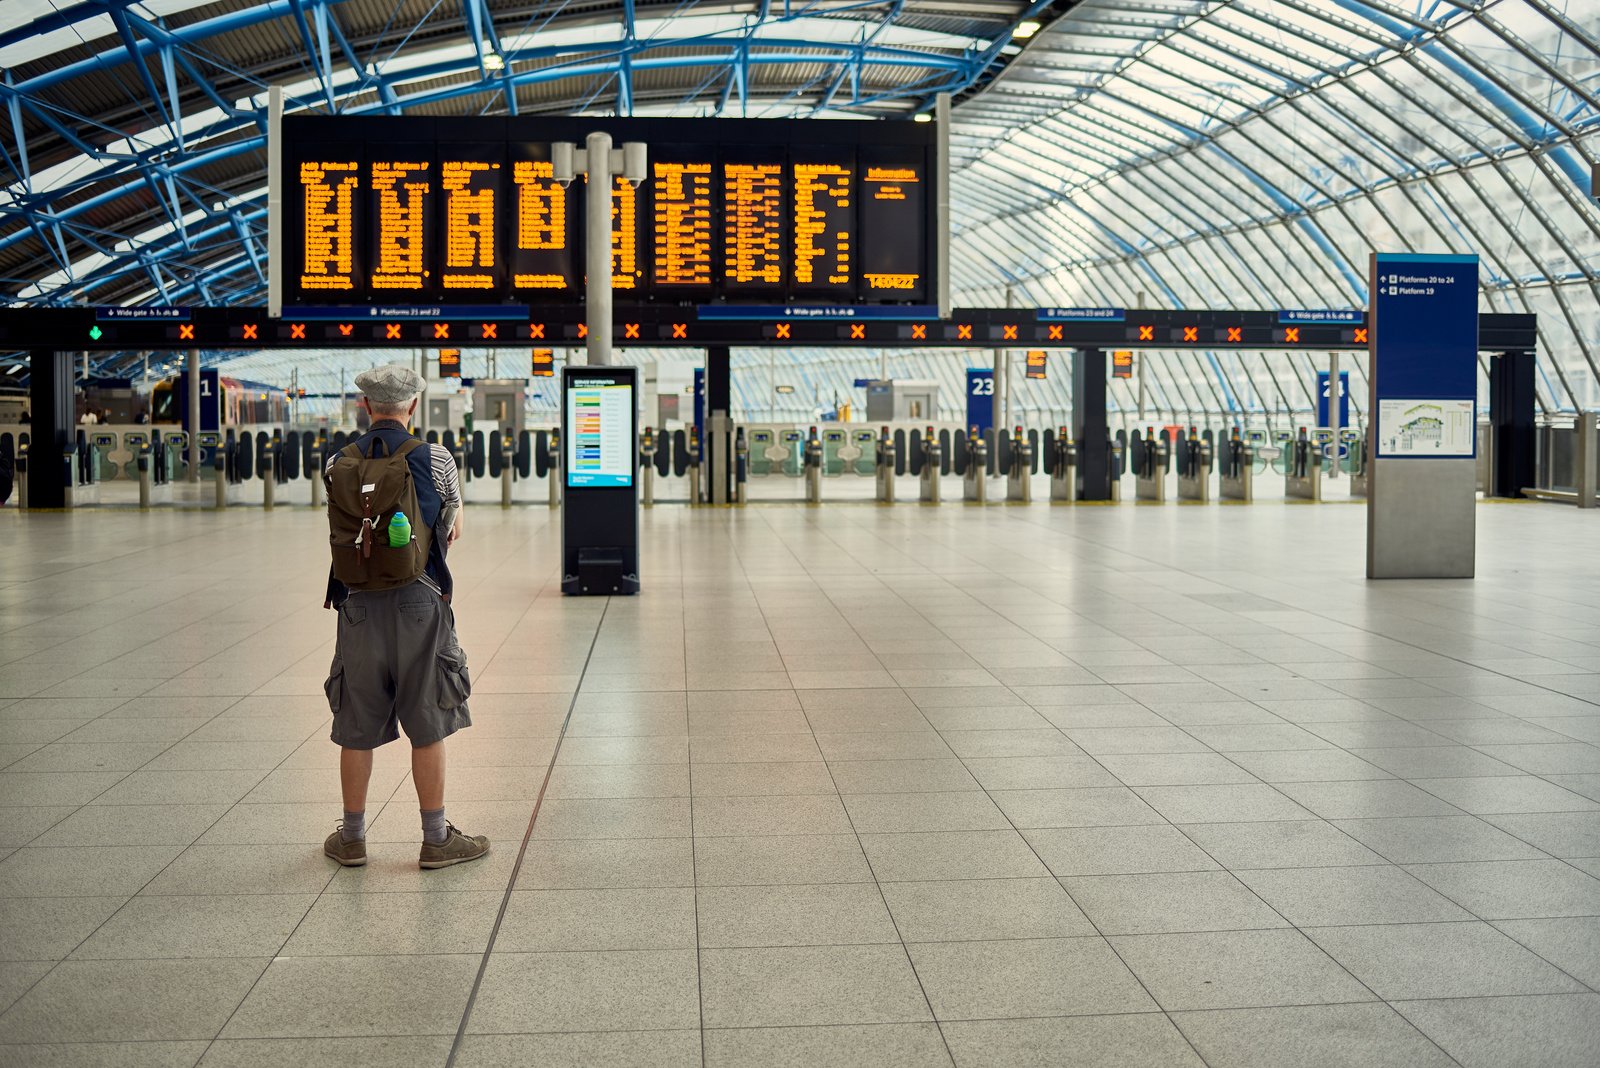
893,187
472,192
322,203
399,198
539,255
682,202
420,211
823,244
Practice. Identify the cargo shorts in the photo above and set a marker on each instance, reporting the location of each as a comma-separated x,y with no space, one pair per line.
397,665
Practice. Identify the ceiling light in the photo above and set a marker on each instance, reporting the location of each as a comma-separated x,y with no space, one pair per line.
1026,30
492,60
922,116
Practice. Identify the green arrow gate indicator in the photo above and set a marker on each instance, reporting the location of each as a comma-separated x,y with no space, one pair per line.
94,333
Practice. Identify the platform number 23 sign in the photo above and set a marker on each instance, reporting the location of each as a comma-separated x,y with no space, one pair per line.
982,386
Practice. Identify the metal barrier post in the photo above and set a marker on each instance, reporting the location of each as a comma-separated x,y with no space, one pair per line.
69,459
22,477
1019,479
930,468
555,467
507,463
885,467
221,481
1585,458
144,476
975,480
813,462
647,468
741,471
269,477
694,466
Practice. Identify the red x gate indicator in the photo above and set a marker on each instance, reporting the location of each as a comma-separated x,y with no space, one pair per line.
536,331
964,331
858,331
297,331
1147,333
248,331
186,332
1054,332
630,330
1008,332
1291,333
490,331
782,330
919,331
441,330
680,330
1235,333
1191,333
1360,336
391,331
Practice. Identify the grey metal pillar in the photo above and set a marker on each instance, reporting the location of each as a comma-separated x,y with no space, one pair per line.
597,228
1335,396
194,415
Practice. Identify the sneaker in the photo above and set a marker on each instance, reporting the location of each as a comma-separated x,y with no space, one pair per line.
457,848
350,854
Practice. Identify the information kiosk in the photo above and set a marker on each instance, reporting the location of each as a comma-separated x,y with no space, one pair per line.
599,463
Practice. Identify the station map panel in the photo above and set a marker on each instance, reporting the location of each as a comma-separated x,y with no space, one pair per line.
415,210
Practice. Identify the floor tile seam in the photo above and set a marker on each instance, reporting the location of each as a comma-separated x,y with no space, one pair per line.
522,852
298,923
871,871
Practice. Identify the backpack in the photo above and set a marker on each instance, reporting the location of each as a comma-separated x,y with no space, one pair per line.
364,493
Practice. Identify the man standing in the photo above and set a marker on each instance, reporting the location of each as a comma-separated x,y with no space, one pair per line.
394,506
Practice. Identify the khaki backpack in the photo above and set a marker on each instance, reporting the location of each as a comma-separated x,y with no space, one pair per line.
364,493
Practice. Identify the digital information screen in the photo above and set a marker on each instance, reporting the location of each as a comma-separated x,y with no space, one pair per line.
420,210
469,193
325,192
680,194
400,199
753,222
539,255
600,433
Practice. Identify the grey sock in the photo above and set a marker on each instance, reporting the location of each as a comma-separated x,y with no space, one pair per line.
433,829
355,825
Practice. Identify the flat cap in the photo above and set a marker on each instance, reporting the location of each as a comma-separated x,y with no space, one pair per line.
392,383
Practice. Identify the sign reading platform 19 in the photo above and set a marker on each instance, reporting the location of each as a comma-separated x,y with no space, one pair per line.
405,209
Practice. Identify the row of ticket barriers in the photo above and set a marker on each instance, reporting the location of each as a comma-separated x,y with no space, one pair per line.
1208,464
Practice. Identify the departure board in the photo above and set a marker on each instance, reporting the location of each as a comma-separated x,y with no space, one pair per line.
626,272
753,224
824,223
540,256
400,199
681,200
893,260
417,210
469,192
327,199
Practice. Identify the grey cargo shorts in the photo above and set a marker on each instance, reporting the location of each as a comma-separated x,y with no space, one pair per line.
397,664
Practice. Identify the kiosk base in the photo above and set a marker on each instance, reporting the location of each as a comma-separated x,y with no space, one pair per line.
601,573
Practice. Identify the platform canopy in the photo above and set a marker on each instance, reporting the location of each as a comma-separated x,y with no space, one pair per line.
1199,153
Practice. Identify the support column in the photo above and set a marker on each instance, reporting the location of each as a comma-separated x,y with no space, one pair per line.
51,401
1089,425
194,415
597,261
718,443
1511,428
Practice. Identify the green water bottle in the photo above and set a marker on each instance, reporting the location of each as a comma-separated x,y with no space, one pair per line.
399,531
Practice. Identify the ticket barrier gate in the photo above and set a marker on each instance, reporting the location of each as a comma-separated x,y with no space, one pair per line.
835,446
647,468
741,465
861,454
1303,475
1194,468
975,476
1063,467
932,459
1117,455
694,465
813,467
20,466
1235,468
885,467
1152,458
1356,447
1019,472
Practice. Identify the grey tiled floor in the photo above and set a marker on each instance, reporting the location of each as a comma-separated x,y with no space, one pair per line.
850,785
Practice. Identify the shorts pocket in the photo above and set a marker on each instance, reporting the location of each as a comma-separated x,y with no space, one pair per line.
334,687
455,684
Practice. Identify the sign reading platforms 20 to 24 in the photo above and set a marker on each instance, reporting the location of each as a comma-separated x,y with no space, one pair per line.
1424,354
418,210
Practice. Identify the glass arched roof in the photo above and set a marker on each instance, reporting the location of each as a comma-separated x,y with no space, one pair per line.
1171,153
